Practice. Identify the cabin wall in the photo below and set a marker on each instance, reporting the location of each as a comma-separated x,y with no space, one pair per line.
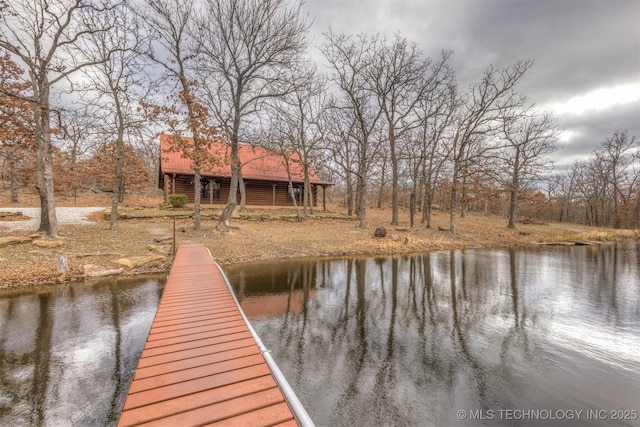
259,193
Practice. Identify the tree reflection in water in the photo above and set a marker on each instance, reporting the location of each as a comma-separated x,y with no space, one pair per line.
411,340
68,354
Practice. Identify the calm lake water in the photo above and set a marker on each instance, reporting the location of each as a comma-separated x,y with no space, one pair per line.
539,336
68,355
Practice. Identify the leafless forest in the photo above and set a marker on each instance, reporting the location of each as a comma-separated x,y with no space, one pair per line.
86,86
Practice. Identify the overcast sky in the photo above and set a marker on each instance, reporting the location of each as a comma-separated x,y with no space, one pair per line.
586,52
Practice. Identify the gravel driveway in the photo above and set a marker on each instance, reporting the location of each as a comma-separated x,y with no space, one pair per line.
65,216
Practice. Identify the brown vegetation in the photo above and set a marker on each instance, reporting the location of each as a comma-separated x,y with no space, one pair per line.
260,234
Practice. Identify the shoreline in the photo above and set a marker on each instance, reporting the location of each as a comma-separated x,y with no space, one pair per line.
141,243
250,241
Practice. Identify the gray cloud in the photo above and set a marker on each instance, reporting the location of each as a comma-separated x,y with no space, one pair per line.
578,46
592,129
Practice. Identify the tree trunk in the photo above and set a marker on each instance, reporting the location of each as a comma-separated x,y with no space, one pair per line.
428,205
292,194
636,216
452,211
412,207
290,189
13,181
361,194
515,186
454,196
236,173
463,201
428,208
232,201
305,193
513,204
117,186
382,177
44,164
349,183
394,177
197,194
308,194
122,185
223,223
243,193
117,183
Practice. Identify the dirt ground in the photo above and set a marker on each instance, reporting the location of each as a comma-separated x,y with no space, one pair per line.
255,236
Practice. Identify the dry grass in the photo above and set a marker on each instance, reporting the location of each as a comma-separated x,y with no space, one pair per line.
249,240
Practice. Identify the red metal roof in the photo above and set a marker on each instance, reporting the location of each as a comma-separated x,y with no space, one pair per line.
258,163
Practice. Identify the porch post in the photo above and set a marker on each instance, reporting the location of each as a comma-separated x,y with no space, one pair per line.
273,184
324,198
165,187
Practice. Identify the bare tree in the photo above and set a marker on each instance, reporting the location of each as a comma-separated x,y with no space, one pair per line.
339,144
530,138
116,85
147,149
401,78
607,184
301,112
622,154
428,151
588,183
76,138
16,130
478,116
281,131
246,45
175,50
565,190
434,136
351,61
46,36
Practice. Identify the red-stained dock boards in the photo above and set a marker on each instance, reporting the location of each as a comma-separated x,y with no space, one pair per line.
202,363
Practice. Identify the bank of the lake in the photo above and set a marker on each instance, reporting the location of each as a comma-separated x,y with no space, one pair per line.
142,245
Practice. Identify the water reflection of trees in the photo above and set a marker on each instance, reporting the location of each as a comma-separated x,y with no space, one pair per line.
614,268
68,355
409,340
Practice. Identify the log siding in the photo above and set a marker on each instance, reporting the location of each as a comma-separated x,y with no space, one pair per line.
260,193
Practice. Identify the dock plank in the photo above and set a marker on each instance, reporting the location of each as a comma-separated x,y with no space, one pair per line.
275,414
193,360
186,345
250,406
148,413
175,356
186,388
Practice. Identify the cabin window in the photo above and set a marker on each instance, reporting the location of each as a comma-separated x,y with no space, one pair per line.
204,188
207,186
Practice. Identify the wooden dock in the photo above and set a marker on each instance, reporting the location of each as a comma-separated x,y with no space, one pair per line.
203,364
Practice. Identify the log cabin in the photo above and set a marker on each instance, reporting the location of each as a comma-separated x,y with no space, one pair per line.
264,173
